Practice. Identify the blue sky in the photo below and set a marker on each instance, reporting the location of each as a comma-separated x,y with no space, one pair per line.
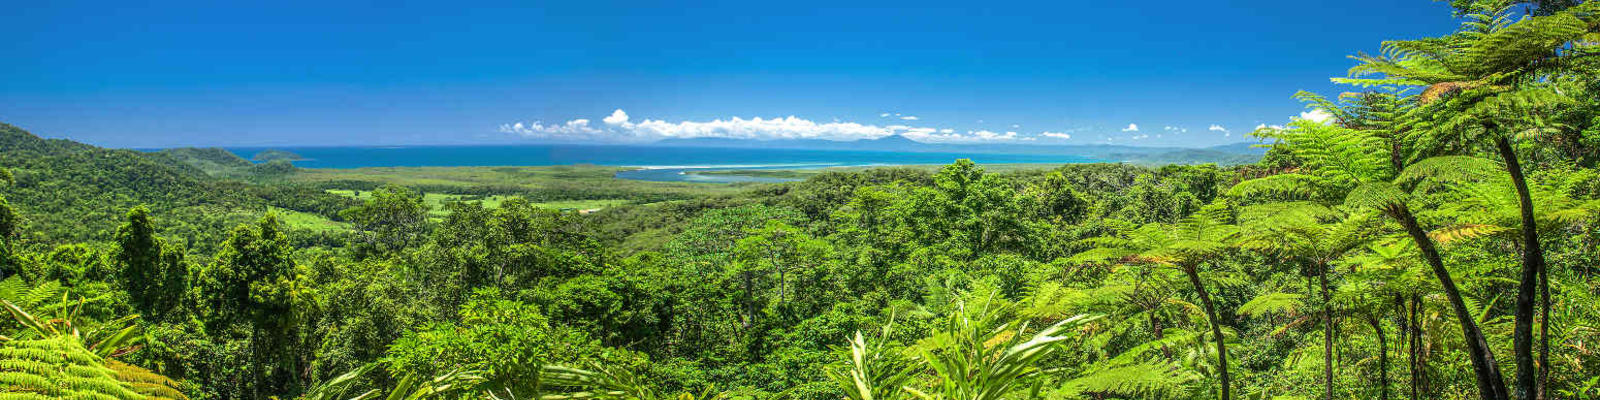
392,73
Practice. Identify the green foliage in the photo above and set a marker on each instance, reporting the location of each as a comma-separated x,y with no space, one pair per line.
270,155
252,278
58,367
1371,255
503,341
392,218
153,272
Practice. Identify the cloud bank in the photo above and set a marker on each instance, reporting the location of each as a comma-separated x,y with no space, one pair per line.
620,127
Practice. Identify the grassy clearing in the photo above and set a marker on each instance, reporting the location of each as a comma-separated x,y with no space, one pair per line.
308,221
546,184
436,201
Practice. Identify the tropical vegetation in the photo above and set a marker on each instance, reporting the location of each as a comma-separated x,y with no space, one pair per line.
1437,236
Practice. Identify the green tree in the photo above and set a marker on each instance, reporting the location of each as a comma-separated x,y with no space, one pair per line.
153,272
8,228
1343,162
1187,246
392,218
1483,87
1314,236
252,283
505,342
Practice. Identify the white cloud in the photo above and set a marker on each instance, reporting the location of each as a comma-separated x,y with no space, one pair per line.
1057,135
1319,115
1131,128
620,127
1218,128
571,129
1014,126
884,115
617,118
755,128
987,135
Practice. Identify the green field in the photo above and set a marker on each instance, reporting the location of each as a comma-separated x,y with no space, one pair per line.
436,201
571,186
308,221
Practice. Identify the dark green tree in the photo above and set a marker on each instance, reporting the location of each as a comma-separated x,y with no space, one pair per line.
392,218
252,284
152,271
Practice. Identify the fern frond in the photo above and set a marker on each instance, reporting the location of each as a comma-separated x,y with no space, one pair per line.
1375,196
1273,303
1451,169
1454,233
1145,380
1281,186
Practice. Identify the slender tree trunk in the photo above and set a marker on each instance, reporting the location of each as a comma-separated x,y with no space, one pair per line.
1544,334
1532,263
1383,358
1415,349
1396,159
1327,333
1155,326
1491,384
1216,327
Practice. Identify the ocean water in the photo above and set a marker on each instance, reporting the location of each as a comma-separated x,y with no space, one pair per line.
657,163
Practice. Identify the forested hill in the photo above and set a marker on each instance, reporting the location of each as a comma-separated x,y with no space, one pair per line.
212,160
67,191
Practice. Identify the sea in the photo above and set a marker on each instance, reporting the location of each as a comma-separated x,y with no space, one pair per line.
653,163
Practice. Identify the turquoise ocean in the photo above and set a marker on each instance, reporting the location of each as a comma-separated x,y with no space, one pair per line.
656,163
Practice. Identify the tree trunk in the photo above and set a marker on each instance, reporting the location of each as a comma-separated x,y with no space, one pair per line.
1416,340
1155,326
1532,263
1491,384
1383,358
1216,327
1544,334
1327,334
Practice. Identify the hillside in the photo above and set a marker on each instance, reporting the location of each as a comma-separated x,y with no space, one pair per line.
212,160
67,191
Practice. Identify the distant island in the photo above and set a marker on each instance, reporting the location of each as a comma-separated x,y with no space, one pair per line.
275,155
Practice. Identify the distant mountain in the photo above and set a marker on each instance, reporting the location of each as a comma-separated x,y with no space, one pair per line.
1230,154
1245,148
1188,156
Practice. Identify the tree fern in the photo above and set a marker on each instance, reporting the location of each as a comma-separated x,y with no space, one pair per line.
60,367
1148,380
